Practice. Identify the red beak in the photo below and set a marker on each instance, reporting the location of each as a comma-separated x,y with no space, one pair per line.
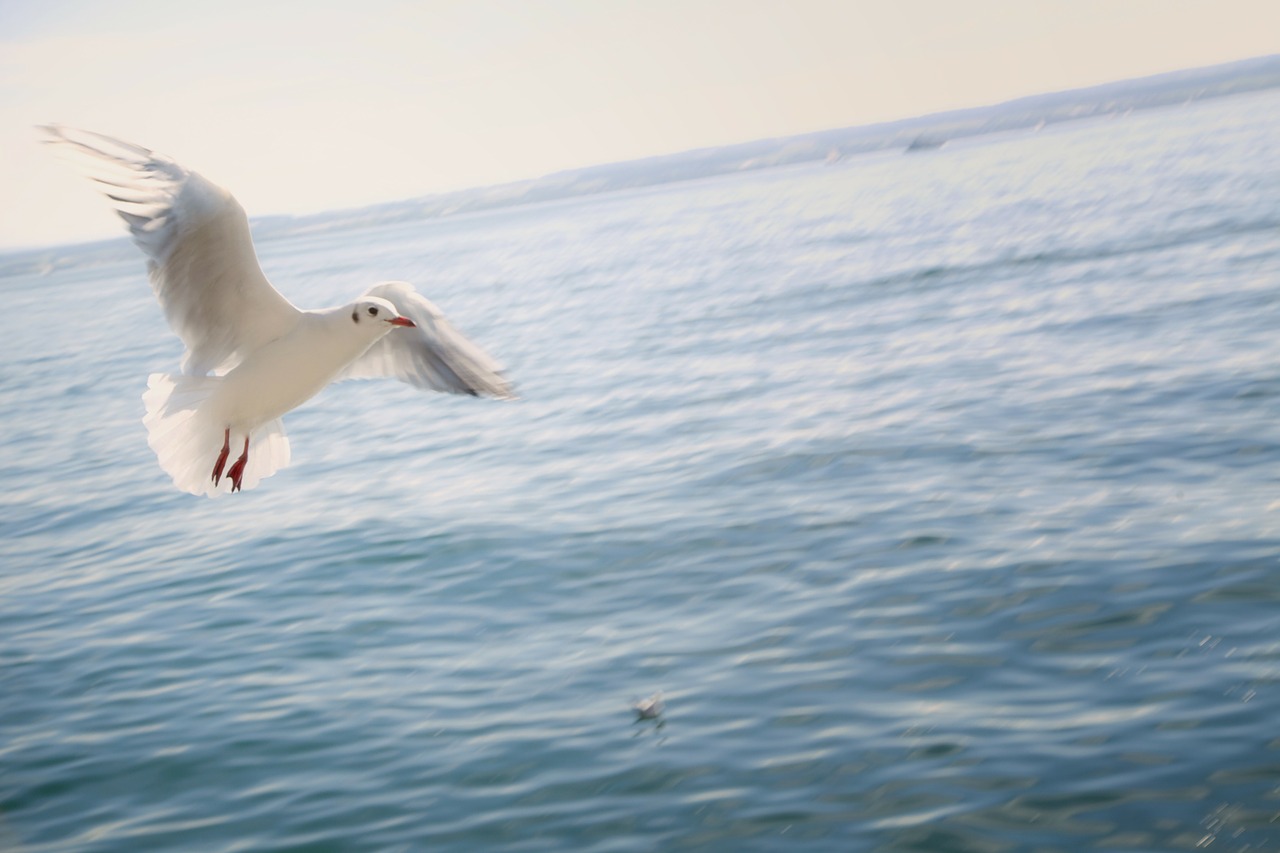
402,321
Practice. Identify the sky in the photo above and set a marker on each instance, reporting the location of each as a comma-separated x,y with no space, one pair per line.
298,106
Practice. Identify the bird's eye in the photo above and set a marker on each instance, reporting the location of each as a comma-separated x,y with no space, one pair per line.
373,312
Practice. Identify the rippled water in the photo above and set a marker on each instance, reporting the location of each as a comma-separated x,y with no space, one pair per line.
937,493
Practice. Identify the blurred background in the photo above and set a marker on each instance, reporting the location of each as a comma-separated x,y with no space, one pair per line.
898,397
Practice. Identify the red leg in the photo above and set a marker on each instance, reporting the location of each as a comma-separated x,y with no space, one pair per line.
237,468
222,457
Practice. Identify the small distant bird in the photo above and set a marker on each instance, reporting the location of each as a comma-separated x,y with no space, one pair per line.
648,709
251,355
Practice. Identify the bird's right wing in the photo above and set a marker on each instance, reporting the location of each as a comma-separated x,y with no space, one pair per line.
199,252
432,355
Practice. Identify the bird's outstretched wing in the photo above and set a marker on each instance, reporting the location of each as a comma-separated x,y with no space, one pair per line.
434,355
195,235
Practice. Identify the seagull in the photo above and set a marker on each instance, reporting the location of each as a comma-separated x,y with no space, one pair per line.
251,355
649,709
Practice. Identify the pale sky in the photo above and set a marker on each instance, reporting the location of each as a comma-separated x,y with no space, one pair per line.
298,106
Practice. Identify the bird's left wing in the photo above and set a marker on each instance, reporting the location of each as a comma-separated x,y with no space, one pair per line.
434,355
199,252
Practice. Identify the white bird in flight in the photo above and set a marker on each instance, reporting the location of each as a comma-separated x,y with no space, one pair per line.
251,355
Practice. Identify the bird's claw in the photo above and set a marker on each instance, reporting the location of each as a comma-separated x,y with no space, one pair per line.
236,472
222,457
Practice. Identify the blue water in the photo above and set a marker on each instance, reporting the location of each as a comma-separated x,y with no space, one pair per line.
938,493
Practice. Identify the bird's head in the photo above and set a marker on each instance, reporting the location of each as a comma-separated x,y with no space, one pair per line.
373,312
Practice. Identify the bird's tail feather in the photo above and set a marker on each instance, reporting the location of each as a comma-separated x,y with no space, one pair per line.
187,439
